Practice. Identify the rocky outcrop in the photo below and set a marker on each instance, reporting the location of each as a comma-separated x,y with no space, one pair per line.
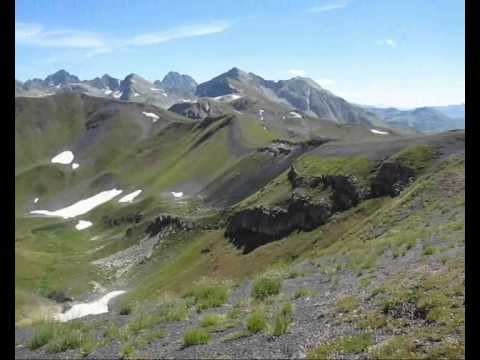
251,228
167,221
390,179
281,147
198,110
127,219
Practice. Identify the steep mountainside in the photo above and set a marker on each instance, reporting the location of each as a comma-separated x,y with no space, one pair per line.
298,93
180,84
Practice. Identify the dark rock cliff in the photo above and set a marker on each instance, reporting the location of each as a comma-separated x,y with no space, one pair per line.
251,228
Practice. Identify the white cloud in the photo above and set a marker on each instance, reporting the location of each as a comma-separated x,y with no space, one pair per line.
31,34
387,42
296,72
328,7
178,33
35,35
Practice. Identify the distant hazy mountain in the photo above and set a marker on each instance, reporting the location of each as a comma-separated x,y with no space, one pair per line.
179,84
453,111
423,119
298,93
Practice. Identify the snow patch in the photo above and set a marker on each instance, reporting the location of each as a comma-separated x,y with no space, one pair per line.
130,197
108,92
295,115
36,200
99,306
75,166
65,158
155,117
260,112
177,194
227,98
379,132
81,207
155,89
117,94
83,224
135,94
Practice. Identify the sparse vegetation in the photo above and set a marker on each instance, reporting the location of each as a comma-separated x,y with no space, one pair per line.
301,293
283,320
195,337
345,345
257,321
42,335
209,294
346,304
266,286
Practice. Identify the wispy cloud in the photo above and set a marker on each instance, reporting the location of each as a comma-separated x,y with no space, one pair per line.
387,42
36,35
296,72
178,33
31,34
333,5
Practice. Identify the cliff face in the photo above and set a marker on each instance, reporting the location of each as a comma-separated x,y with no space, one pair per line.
251,228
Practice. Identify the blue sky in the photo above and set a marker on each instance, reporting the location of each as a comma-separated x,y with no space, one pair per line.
379,52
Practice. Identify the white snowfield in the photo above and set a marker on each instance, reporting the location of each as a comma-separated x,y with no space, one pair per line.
83,224
155,117
75,166
177,194
64,158
130,197
379,132
81,207
295,115
99,306
227,98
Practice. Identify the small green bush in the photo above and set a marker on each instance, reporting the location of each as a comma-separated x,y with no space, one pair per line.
301,293
208,294
345,345
195,337
256,322
346,304
211,320
65,341
265,287
283,320
43,334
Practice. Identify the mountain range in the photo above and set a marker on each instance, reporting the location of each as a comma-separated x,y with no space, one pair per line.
239,217
423,119
184,95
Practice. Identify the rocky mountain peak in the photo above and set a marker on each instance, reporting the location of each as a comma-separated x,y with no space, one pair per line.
61,77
